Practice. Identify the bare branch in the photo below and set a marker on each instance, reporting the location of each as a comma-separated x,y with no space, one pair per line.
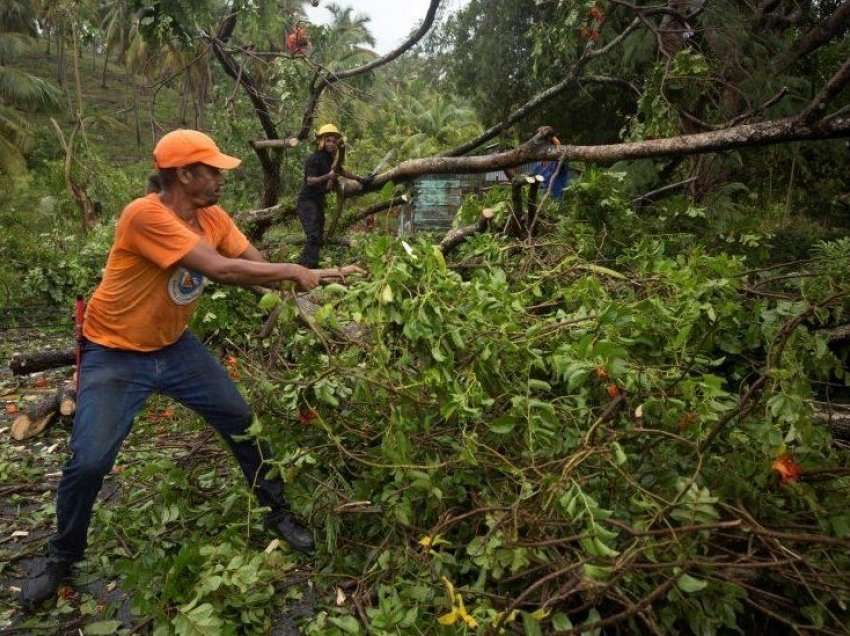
833,26
834,86
541,98
269,160
331,77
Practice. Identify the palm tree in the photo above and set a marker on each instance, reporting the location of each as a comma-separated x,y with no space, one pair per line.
115,25
347,38
19,91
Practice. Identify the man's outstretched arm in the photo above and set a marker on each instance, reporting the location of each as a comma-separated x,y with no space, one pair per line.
251,253
246,271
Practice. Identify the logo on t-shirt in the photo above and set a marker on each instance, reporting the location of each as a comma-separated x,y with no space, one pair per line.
184,285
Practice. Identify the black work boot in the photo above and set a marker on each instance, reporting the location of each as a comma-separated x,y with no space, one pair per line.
287,527
44,585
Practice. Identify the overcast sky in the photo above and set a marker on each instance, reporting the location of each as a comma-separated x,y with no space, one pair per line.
392,20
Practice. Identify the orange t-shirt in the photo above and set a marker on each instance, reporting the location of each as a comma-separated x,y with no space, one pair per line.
145,300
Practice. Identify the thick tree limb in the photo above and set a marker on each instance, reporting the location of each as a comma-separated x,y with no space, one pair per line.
24,363
365,213
836,83
455,237
833,26
270,160
256,222
758,134
289,142
321,83
37,417
541,98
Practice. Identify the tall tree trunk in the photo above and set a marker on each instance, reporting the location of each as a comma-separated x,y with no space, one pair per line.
78,85
184,93
60,61
105,63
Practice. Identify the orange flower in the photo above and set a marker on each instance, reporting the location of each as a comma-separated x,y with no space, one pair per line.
613,391
788,469
159,416
601,373
307,415
40,382
232,366
11,408
597,14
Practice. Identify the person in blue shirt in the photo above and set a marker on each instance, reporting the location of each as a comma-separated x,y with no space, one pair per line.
558,179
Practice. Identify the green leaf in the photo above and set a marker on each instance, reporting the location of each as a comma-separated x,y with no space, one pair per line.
531,625
619,454
592,618
689,584
348,624
269,301
561,622
503,425
387,190
101,628
538,385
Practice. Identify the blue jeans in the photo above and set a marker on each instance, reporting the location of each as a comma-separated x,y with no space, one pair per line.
114,385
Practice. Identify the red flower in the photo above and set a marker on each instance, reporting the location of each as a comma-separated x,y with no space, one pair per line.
307,415
788,469
613,391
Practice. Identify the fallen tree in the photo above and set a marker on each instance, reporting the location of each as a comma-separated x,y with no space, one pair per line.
536,432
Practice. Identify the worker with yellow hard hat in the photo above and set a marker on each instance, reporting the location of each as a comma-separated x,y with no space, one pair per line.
321,170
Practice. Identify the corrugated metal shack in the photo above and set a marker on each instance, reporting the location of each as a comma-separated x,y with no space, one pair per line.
436,198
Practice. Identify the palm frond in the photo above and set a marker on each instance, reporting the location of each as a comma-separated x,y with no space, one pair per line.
14,44
26,91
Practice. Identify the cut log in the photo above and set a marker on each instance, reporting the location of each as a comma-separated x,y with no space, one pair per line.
68,401
533,188
37,417
517,223
289,142
455,237
24,363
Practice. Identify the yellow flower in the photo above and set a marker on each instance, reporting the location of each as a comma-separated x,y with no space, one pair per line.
458,608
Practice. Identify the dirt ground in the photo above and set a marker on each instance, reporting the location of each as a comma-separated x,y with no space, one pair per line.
29,474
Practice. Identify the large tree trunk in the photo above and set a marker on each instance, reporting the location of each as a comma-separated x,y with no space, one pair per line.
270,160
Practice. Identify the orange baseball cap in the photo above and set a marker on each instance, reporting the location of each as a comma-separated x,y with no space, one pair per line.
182,147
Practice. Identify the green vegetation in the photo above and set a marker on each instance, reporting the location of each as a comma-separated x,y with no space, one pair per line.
616,423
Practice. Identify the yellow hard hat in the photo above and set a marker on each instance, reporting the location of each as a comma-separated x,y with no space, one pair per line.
328,129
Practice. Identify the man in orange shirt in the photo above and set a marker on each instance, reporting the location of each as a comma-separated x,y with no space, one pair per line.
136,342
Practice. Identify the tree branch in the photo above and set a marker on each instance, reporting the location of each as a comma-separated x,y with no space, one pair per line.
833,26
269,160
758,134
543,97
836,83
331,77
